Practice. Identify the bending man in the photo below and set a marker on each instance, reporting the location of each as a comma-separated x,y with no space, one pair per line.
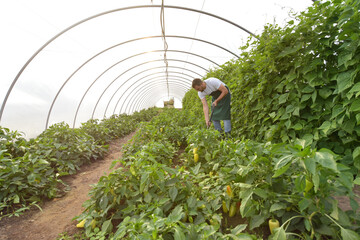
220,102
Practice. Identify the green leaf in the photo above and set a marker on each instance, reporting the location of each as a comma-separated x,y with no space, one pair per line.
325,127
325,93
277,206
337,109
283,98
238,229
107,226
355,88
344,80
173,192
279,234
304,203
357,181
326,160
281,171
335,211
256,221
349,234
310,165
355,106
179,235
143,181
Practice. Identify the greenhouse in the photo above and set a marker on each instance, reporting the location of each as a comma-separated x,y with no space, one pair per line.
156,119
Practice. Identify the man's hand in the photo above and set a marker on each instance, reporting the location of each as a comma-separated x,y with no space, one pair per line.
208,123
214,104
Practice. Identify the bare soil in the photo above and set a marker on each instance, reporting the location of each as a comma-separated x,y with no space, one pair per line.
57,214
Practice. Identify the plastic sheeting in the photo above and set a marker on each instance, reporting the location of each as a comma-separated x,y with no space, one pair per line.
75,60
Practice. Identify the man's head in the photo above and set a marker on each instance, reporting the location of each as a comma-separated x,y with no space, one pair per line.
198,85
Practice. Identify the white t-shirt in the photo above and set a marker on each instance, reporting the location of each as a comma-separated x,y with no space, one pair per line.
212,84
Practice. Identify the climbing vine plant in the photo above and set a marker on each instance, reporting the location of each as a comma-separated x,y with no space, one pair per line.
301,81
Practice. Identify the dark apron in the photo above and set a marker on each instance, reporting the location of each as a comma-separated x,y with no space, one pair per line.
222,110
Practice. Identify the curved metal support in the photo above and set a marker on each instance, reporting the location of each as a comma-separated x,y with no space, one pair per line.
144,102
148,93
138,80
144,88
88,89
146,83
158,60
98,15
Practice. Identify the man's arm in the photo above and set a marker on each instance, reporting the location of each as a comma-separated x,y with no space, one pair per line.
206,111
223,91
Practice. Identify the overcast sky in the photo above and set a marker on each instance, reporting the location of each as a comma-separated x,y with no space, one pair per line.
27,25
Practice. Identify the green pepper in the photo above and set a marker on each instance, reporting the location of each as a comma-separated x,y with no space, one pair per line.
225,209
232,210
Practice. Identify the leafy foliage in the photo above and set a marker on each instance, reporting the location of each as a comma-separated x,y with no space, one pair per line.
31,170
301,81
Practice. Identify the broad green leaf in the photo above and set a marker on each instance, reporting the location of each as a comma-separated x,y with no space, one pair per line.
173,192
355,88
335,211
256,221
261,193
337,109
283,98
310,165
356,152
179,235
107,226
326,160
344,80
238,229
325,93
281,171
143,181
355,106
277,206
325,127
349,234
191,201
357,181
279,234
304,204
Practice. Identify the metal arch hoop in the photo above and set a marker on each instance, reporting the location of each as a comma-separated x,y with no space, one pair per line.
178,51
142,79
145,83
68,79
138,80
131,101
98,15
141,102
158,60
146,92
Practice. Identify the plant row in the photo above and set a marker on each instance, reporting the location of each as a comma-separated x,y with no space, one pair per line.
178,180
30,170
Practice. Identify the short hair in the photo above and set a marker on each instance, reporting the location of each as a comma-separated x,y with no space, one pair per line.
196,82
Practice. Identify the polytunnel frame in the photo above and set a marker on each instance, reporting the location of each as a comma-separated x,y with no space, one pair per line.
127,70
146,83
136,39
181,73
177,51
176,60
144,87
149,91
141,103
101,14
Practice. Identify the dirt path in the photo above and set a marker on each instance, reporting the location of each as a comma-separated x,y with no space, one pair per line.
57,214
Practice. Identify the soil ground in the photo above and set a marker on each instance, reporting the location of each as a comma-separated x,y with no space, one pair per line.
57,214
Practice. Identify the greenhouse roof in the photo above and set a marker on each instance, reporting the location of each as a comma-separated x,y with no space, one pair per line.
76,60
